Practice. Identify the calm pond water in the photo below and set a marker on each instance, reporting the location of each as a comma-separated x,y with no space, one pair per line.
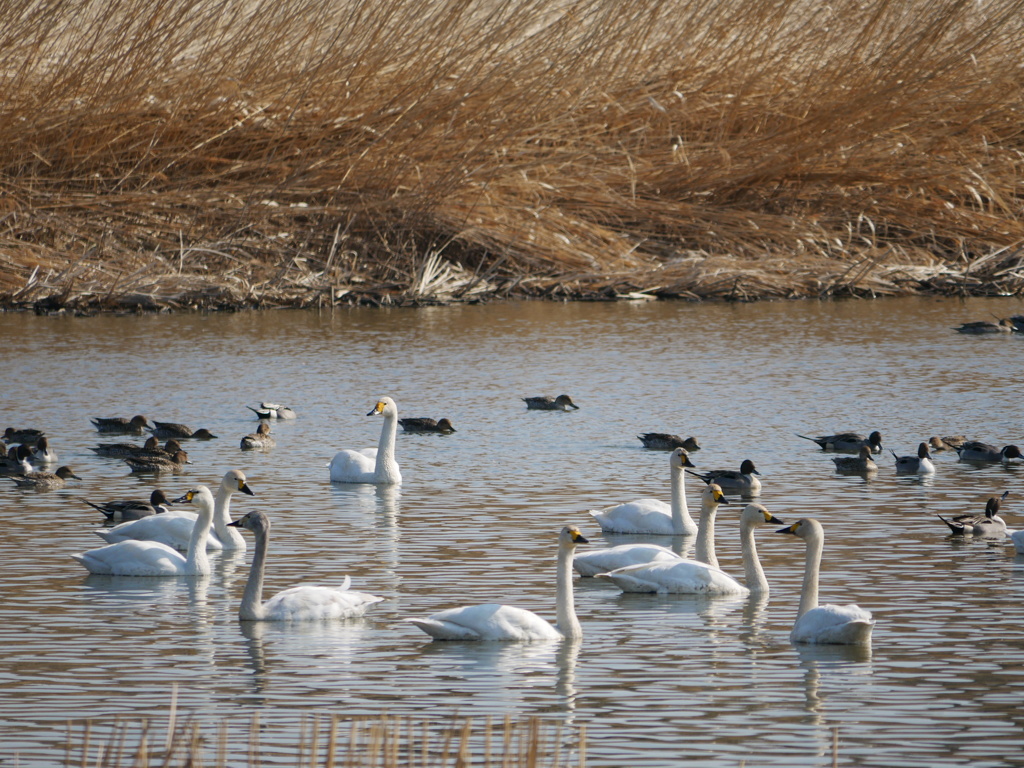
657,680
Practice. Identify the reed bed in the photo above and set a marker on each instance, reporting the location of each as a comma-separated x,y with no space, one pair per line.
229,153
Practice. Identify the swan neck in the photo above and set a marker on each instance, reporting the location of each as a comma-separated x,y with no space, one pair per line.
231,537
705,549
681,520
251,608
752,570
196,561
812,565
565,608
386,468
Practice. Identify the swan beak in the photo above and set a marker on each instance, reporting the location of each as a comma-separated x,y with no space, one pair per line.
770,518
244,488
687,462
378,408
579,538
236,523
719,497
789,529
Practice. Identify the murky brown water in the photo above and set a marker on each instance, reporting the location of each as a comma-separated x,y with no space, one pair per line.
657,680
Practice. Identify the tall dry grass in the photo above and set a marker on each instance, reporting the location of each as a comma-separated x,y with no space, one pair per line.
303,151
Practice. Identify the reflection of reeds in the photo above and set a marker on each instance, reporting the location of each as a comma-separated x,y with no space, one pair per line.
379,742
199,152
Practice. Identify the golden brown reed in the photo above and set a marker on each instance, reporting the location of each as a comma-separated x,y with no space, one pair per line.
303,152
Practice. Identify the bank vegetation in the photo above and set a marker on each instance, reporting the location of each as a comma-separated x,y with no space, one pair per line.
234,153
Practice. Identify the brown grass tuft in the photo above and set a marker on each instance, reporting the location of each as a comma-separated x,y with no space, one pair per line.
302,152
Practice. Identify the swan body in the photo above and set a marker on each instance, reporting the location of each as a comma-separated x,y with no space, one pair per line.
420,424
975,450
1017,537
302,603
152,558
621,556
123,511
120,425
915,465
258,440
174,528
494,621
371,465
861,464
824,624
848,442
44,480
550,403
653,516
662,441
743,481
693,577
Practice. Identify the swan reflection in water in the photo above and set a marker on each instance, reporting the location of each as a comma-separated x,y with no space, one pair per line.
838,667
372,511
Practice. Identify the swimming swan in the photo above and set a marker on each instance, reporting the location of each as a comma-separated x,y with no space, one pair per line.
371,465
151,558
653,515
174,527
693,577
303,603
493,621
825,624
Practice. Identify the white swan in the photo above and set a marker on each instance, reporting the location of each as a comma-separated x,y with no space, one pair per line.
693,577
625,555
174,527
151,558
653,515
493,621
371,465
302,603
829,624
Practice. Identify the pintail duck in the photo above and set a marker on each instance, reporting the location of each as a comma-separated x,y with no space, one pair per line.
42,453
259,439
27,437
166,429
44,480
921,464
150,448
120,511
848,442
662,441
156,464
15,460
421,424
946,442
118,425
989,525
1005,325
549,403
731,480
975,450
272,411
860,464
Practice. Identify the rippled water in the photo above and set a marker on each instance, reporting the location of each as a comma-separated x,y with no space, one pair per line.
657,681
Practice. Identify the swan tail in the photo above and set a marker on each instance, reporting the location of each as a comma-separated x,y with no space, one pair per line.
346,583
444,630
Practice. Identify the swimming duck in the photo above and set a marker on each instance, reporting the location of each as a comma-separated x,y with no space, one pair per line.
118,425
653,515
260,439
662,441
144,464
743,481
121,511
371,465
549,403
44,480
848,442
150,448
272,411
946,442
988,525
421,424
1005,325
915,465
165,429
975,450
27,437
42,453
15,460
862,464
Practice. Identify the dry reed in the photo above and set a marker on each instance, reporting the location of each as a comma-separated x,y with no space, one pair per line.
185,153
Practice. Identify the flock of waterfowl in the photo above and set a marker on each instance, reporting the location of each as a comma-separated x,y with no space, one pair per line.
157,538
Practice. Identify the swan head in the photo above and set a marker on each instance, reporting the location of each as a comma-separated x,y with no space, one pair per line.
234,480
255,521
748,468
758,514
200,496
570,536
679,458
385,407
806,528
713,495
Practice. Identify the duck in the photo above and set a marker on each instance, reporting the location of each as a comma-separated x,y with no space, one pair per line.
302,603
975,450
371,465
16,460
259,439
174,528
653,516
150,448
421,424
861,464
987,525
166,429
272,411
824,624
549,403
662,441
731,480
977,327
915,465
848,442
157,464
123,511
603,560
692,577
45,480
154,558
121,426
498,622
946,442
42,453
26,436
